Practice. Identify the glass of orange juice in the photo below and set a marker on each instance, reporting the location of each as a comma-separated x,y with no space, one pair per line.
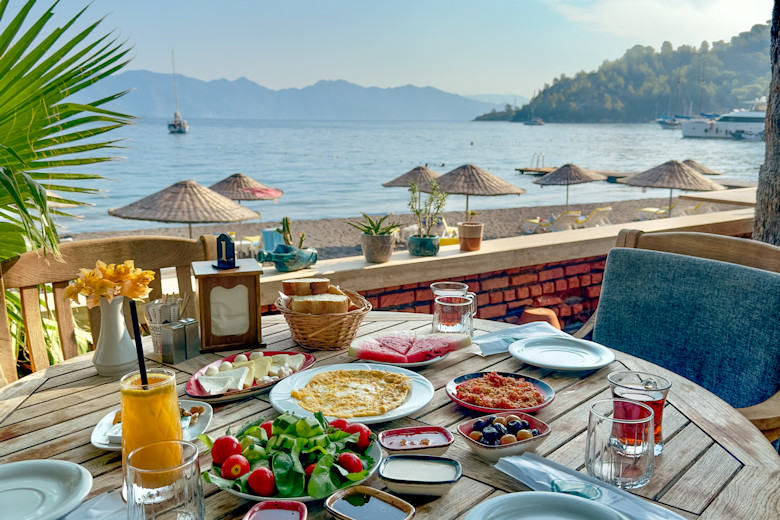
150,413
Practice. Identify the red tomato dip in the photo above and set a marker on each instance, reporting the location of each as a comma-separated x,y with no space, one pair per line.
496,391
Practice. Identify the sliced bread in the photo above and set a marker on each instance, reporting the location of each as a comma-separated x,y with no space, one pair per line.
320,304
305,286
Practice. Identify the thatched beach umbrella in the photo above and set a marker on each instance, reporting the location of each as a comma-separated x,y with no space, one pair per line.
241,187
700,167
420,175
472,180
569,174
185,202
672,175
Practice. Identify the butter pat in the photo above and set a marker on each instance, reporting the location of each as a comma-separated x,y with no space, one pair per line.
224,381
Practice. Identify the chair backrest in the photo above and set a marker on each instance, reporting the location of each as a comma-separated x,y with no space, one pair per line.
597,216
29,271
565,221
712,322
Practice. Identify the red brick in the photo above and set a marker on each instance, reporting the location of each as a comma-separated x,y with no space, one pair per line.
423,295
598,266
374,302
576,308
561,285
525,278
523,292
526,302
395,299
546,301
514,270
548,287
474,286
495,283
393,288
496,297
406,309
422,309
536,290
483,299
509,295
571,270
585,280
594,291
564,310
493,311
409,286
551,274
597,277
374,292
573,282
515,304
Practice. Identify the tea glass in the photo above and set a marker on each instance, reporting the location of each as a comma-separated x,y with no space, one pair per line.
163,482
649,389
453,314
619,444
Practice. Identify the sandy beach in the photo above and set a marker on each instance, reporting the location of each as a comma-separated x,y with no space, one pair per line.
333,238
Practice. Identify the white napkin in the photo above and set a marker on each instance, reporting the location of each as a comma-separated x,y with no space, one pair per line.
499,341
107,506
539,473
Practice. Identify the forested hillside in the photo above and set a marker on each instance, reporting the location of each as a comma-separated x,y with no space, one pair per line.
644,83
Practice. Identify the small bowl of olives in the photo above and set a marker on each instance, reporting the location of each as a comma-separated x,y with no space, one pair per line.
503,434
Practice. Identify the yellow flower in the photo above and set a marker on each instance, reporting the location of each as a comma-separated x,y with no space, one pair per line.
109,280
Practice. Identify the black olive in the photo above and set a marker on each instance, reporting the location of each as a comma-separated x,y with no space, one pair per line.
489,419
484,441
534,432
497,442
500,428
479,425
524,425
490,434
513,427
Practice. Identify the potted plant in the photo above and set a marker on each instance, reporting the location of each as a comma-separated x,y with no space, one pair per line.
377,240
470,233
425,214
287,257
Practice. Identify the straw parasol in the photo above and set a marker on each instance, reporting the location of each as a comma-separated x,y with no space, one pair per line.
700,167
569,174
472,180
672,175
420,175
241,187
186,202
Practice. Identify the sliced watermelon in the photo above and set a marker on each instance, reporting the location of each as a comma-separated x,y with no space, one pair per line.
400,340
429,346
370,349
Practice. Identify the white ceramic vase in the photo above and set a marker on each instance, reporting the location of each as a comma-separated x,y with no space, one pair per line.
115,352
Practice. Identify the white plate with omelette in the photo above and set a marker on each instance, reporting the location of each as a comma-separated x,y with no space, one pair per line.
361,392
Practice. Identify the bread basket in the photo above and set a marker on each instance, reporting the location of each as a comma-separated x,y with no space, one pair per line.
325,331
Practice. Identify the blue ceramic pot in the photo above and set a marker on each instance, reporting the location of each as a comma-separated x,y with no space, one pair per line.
287,258
423,246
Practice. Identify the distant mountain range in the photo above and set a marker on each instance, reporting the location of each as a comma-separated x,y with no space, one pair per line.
243,99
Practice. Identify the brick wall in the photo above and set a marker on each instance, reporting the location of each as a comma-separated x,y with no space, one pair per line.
570,288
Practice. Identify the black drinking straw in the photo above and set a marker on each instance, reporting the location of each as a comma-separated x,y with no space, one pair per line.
139,349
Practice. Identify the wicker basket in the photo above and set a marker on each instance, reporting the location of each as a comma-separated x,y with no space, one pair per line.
325,331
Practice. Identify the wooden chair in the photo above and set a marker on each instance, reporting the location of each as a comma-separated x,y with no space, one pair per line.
744,252
30,270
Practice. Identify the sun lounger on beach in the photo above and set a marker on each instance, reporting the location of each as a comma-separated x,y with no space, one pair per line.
597,217
563,222
651,213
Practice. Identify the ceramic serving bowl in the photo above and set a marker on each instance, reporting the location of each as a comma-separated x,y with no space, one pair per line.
264,510
418,440
493,453
366,503
420,474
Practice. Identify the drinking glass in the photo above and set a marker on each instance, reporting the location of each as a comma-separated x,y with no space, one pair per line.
646,388
163,482
150,412
453,314
455,289
619,444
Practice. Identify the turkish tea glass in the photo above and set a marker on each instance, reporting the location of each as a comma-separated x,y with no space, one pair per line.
163,482
649,389
619,443
453,314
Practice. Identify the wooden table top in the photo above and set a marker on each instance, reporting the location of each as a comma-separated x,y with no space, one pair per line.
715,464
737,197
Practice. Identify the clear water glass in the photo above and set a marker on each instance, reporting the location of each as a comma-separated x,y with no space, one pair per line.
455,289
159,489
619,445
453,314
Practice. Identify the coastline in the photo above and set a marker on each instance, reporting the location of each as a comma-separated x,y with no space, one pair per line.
333,238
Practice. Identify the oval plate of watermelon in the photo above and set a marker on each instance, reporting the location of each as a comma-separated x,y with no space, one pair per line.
407,349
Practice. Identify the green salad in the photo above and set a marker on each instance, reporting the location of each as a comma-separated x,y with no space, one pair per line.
291,456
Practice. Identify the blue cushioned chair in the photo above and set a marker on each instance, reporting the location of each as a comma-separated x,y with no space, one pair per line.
715,323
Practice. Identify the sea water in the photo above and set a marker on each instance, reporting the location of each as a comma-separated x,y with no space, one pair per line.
335,169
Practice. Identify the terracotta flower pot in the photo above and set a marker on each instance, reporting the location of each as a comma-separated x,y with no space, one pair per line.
423,246
377,248
470,235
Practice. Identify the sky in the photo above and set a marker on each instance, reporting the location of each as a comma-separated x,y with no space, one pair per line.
467,47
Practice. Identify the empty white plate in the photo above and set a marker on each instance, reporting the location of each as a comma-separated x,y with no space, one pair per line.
541,505
42,489
561,353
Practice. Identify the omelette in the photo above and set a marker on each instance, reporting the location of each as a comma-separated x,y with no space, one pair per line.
354,393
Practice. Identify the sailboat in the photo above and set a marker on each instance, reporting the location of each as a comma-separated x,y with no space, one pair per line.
178,125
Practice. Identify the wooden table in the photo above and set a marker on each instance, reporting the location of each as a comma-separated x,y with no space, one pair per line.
715,464
737,197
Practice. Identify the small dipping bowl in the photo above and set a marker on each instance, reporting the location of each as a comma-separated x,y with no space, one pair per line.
366,503
420,474
277,510
493,453
418,440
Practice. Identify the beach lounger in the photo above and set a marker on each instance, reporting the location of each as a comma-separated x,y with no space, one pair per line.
563,222
700,208
597,217
651,213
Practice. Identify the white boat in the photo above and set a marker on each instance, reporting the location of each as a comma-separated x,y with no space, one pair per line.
178,125
734,125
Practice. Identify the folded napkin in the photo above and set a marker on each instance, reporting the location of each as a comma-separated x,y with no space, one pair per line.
106,506
540,474
499,341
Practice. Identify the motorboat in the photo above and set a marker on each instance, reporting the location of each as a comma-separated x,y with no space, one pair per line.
669,123
738,124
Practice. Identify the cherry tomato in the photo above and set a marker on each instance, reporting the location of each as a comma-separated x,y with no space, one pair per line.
223,448
350,462
234,466
262,482
364,432
309,469
267,427
339,424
